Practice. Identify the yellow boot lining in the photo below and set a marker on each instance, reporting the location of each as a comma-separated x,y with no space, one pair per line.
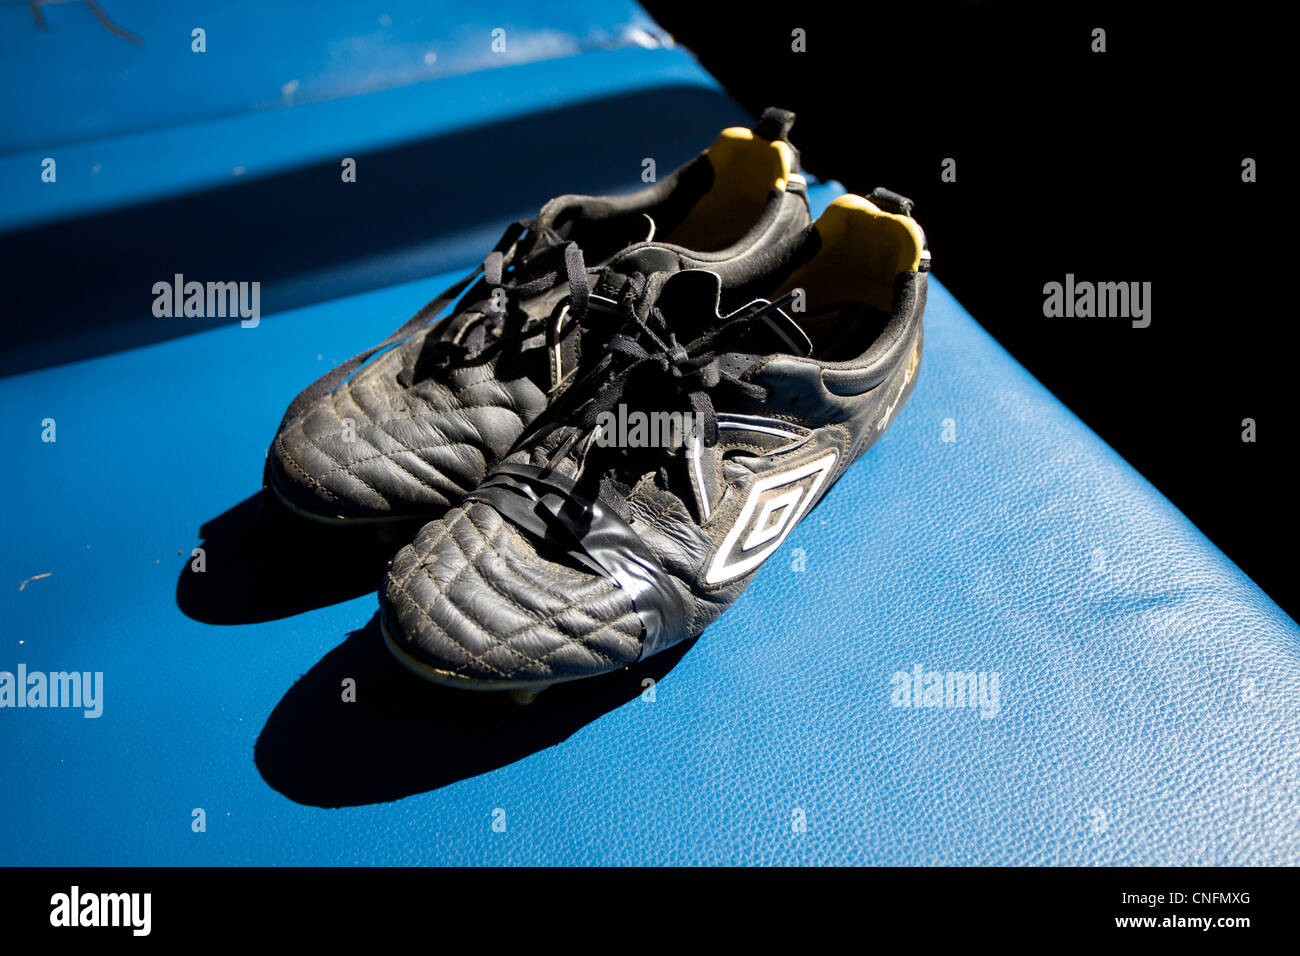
863,250
745,170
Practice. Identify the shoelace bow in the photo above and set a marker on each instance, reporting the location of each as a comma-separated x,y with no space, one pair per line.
693,376
494,308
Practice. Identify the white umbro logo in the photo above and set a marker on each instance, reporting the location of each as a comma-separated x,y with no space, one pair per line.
776,503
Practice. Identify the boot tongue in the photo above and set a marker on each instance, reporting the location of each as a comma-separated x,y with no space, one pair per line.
689,301
645,259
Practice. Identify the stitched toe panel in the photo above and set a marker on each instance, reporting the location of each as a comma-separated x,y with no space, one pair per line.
373,449
472,598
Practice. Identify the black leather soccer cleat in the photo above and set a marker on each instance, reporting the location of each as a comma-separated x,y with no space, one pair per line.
417,427
642,505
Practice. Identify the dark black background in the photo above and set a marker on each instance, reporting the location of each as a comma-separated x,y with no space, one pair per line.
1115,166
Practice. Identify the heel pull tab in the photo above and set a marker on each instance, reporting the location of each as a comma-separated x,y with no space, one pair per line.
891,201
898,204
775,124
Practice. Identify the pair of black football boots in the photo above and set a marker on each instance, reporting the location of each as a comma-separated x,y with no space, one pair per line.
632,403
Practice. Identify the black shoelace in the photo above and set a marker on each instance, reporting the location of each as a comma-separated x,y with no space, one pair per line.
665,369
519,283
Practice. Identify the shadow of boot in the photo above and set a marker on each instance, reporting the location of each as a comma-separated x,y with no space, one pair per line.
403,735
260,563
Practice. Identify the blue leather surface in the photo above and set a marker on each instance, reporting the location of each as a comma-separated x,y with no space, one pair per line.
282,84
255,193
1147,705
1146,709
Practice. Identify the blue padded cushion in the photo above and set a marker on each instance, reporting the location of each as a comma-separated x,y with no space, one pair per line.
1146,687
280,85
